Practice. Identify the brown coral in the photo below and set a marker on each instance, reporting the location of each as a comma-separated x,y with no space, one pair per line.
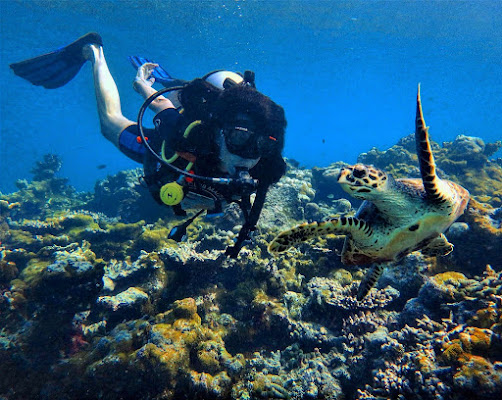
477,373
475,340
452,351
480,245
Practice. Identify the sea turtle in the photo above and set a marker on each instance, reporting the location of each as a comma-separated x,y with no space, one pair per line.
397,217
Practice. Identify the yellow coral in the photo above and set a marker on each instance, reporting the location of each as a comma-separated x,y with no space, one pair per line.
475,339
185,308
122,231
33,270
452,351
20,238
343,276
486,317
267,304
210,354
261,299
449,278
168,359
182,323
77,223
477,217
184,341
5,205
478,371
208,361
481,181
153,239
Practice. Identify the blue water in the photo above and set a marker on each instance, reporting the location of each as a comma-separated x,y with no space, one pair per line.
345,72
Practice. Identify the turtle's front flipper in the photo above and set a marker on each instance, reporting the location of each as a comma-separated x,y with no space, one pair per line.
439,246
369,280
355,227
437,190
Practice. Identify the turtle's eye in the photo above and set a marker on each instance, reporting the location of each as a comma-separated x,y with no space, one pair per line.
359,172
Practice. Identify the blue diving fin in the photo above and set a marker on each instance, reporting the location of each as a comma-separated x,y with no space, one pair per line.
56,69
159,73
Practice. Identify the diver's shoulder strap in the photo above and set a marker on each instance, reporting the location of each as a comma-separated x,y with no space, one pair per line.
170,126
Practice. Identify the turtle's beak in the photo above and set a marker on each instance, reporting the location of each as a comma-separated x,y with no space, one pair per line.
345,175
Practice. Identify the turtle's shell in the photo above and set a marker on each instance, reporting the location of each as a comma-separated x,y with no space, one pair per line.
401,216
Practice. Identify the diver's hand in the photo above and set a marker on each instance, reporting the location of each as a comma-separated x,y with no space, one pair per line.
144,75
143,85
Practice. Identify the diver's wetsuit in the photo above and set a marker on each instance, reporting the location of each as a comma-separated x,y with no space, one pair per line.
173,126
130,142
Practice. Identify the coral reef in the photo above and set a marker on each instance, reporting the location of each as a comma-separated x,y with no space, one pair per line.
122,195
479,241
97,302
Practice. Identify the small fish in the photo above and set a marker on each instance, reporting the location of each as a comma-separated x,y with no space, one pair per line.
323,141
101,166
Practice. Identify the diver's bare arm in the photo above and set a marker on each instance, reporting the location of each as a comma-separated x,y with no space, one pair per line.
143,85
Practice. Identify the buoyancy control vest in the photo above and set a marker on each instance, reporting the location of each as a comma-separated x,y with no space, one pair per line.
188,147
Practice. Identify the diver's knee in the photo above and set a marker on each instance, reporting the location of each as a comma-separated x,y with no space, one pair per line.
112,136
112,131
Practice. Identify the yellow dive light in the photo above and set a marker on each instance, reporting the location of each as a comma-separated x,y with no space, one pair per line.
171,193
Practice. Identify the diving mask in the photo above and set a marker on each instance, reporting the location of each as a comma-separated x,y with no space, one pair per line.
243,139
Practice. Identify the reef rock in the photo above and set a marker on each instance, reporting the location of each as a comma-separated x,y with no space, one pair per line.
96,307
122,195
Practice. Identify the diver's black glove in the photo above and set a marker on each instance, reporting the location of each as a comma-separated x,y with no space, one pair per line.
233,251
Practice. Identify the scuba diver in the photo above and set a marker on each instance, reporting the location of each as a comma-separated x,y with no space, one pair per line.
216,139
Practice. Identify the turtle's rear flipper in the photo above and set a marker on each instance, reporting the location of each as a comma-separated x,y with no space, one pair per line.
439,246
301,233
369,280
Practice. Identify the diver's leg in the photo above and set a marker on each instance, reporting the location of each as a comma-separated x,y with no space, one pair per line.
107,96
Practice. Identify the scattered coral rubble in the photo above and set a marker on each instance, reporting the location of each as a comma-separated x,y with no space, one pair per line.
97,303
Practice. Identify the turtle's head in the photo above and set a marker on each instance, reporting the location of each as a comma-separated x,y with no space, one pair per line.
363,182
